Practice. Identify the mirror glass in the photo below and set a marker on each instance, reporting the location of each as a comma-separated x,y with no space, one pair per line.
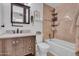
27,15
17,14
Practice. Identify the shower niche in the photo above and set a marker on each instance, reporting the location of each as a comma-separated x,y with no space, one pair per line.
54,20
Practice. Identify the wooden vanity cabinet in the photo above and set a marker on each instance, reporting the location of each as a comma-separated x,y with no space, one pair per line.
14,46
0,47
9,47
19,46
29,46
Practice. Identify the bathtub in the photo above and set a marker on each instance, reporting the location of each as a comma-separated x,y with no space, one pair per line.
61,48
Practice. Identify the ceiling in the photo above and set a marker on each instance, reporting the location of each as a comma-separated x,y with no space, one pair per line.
54,4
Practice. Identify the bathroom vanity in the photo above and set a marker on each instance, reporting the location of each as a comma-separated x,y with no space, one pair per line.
17,44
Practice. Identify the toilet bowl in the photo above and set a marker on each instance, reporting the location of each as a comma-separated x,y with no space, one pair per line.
42,47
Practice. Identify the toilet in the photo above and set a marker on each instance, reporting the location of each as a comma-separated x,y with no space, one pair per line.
42,47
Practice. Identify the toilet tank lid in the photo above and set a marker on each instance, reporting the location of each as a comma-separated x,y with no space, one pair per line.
43,45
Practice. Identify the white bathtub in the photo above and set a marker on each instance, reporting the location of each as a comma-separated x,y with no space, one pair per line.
61,48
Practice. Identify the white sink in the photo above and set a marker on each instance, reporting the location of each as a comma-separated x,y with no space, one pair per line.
10,34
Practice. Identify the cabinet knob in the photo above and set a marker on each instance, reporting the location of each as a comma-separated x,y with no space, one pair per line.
17,41
29,48
13,42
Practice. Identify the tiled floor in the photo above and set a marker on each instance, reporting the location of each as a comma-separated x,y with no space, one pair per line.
48,54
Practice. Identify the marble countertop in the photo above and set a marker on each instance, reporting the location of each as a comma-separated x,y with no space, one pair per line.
16,35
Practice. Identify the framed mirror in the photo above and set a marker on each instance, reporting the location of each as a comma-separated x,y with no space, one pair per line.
20,13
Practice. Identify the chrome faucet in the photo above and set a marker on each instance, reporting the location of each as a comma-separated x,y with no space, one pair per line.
17,30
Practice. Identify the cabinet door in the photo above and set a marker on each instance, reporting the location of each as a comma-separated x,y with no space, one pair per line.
14,47
32,45
29,45
10,47
0,47
19,47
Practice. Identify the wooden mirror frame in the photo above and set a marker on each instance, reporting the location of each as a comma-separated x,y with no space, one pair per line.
24,13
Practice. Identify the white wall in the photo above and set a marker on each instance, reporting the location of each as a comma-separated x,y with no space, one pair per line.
39,7
7,20
1,17
38,24
0,14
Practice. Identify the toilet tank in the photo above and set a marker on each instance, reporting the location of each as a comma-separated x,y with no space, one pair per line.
39,38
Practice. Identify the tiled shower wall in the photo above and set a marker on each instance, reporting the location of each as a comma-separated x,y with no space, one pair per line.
65,30
67,14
